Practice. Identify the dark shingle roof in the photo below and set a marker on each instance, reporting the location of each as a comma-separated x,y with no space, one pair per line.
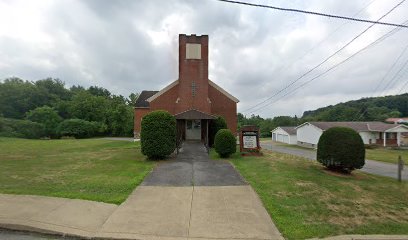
358,126
141,100
289,130
194,114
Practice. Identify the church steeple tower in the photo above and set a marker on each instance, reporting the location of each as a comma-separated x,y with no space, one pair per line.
193,73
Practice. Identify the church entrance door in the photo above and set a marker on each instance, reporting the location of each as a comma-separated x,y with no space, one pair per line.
193,129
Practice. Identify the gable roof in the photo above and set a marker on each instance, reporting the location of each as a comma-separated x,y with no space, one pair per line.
141,100
194,114
165,89
357,126
211,83
397,120
288,129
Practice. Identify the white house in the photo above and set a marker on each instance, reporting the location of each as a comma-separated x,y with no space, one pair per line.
379,133
285,135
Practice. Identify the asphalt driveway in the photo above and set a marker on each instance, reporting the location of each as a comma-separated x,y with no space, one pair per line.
193,167
371,166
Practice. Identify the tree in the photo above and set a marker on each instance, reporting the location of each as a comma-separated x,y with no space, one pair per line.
18,97
99,91
88,107
54,89
132,99
341,148
120,120
48,117
78,128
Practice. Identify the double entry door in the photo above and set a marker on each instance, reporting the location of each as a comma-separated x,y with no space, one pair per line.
193,129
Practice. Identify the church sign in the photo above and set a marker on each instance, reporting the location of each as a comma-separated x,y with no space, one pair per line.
249,140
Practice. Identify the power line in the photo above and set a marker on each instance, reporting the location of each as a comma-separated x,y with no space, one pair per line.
389,70
317,13
327,37
324,61
382,38
396,76
382,80
403,86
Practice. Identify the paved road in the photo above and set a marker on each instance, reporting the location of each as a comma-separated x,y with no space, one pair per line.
194,168
371,166
14,235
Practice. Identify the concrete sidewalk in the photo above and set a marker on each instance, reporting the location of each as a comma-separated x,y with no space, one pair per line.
149,213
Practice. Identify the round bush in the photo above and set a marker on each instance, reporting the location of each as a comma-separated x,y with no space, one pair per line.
47,116
78,128
341,148
21,128
215,126
225,143
158,134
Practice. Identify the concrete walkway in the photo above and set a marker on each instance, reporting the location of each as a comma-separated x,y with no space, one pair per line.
371,166
191,197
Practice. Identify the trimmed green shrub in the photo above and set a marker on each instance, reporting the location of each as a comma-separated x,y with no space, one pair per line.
47,116
341,148
21,128
214,127
158,134
78,128
225,143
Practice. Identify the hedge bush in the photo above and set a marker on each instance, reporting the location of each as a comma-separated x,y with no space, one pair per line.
78,128
47,116
158,134
214,127
341,148
225,143
21,128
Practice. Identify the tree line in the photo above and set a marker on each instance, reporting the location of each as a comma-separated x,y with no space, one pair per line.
48,108
365,109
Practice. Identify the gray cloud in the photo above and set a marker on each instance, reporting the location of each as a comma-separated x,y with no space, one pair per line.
128,46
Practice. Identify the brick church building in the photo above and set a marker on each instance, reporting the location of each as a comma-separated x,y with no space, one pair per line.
193,99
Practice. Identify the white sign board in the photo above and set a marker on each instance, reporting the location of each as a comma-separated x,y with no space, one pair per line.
249,141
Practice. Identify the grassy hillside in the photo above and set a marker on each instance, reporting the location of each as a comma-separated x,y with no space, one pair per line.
368,109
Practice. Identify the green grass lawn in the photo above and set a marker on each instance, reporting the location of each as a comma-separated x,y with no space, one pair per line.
92,169
305,201
387,155
379,154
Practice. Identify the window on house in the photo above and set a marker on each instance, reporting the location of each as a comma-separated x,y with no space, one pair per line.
193,88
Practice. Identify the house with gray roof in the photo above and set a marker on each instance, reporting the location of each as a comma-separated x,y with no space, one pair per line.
377,133
285,135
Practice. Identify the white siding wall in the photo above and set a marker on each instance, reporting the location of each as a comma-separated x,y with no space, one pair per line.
281,136
293,139
308,134
366,136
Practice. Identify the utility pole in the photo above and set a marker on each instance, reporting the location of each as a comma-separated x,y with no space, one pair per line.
400,168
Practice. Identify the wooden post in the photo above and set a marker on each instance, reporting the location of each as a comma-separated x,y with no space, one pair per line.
400,168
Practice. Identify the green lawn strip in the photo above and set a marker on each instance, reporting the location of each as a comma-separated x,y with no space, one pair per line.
91,169
387,155
306,201
379,154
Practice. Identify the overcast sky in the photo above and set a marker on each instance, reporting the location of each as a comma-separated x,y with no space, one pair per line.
130,46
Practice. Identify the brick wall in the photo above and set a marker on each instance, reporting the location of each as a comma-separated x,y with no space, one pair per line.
166,101
139,114
223,106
